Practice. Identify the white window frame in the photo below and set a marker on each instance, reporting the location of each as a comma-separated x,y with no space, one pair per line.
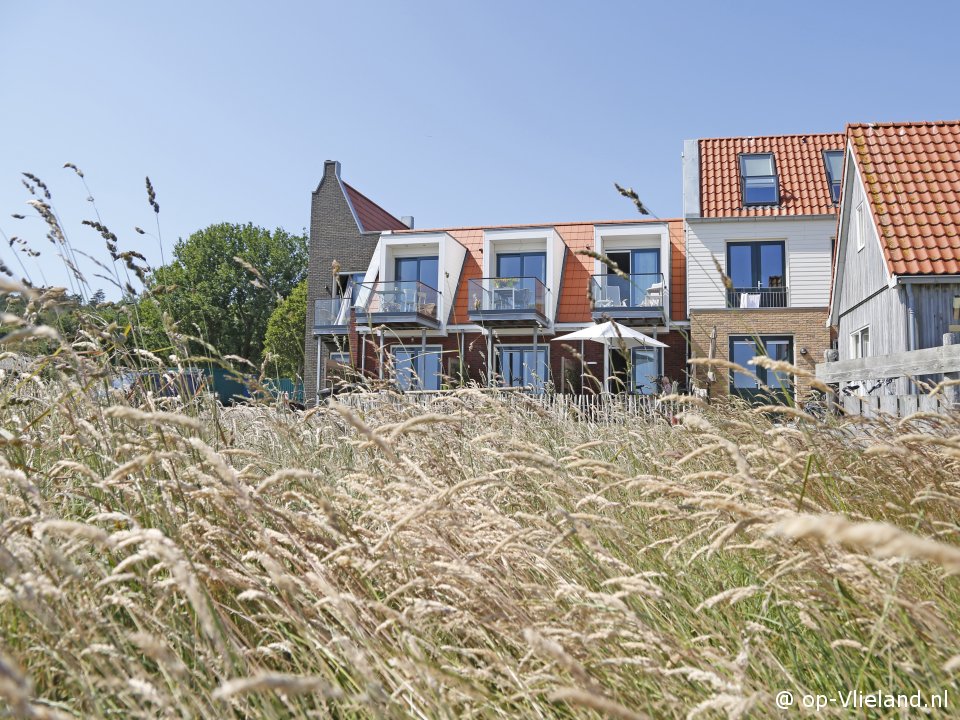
856,343
861,228
418,354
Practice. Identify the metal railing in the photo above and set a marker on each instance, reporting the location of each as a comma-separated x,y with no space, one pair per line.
331,312
757,297
507,295
639,290
399,297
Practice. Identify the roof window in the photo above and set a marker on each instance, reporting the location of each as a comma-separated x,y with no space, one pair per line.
758,179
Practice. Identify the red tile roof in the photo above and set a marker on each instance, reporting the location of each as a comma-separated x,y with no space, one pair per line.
912,176
574,303
372,217
804,189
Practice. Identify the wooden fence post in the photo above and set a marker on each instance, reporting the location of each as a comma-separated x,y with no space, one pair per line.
952,392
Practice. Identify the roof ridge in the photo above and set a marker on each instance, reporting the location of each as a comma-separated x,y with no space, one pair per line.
542,225
764,137
903,123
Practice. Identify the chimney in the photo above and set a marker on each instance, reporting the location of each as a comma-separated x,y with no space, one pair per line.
408,221
331,168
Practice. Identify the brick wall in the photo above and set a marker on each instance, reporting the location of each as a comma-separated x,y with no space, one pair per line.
807,326
334,235
565,365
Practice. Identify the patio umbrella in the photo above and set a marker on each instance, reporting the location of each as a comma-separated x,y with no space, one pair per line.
612,333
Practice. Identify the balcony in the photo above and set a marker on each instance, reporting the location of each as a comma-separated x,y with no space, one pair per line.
758,297
331,316
508,302
403,305
632,299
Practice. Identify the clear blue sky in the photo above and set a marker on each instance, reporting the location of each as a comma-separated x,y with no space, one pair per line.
456,113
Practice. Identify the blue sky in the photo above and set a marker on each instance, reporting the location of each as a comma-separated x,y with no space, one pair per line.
459,114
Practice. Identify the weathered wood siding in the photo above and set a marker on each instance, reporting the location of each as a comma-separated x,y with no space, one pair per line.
864,271
933,305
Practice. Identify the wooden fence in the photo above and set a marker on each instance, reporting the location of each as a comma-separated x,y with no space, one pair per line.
601,408
940,366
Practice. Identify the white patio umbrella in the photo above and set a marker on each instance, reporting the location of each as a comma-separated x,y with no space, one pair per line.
611,333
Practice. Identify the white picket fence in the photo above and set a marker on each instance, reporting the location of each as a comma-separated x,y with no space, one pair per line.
895,405
607,408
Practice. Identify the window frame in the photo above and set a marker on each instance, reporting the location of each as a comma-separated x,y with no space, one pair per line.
417,356
522,254
538,388
856,343
775,177
763,388
658,353
832,181
861,225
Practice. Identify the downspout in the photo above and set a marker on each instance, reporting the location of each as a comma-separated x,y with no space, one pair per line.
911,331
911,320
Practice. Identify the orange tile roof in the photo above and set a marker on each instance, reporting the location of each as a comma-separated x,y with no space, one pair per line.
372,217
574,303
804,189
912,176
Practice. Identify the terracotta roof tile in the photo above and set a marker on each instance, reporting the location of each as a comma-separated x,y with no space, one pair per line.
372,217
912,176
804,188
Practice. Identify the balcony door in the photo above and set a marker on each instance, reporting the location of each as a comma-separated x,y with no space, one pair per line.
418,269
757,269
643,267
522,366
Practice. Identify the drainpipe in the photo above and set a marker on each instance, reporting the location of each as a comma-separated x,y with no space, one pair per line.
319,361
911,331
911,320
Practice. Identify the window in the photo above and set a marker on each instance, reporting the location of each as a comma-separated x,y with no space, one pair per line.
833,161
522,265
743,348
860,343
758,179
757,271
647,365
522,366
861,228
418,269
415,370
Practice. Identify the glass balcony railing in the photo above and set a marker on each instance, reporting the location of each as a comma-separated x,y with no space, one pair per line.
612,293
510,295
758,297
399,298
331,312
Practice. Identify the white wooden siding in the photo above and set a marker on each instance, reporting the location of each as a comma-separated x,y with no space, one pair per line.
808,257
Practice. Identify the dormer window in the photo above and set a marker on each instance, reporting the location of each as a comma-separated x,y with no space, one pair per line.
758,179
833,161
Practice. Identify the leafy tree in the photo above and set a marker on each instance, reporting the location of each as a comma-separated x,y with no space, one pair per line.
284,338
223,283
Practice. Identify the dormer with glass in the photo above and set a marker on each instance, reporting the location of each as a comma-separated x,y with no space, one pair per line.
411,281
759,183
633,286
521,269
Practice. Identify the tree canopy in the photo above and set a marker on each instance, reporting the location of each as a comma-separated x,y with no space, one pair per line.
223,284
284,339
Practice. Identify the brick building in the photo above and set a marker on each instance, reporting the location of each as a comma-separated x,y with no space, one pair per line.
760,218
431,308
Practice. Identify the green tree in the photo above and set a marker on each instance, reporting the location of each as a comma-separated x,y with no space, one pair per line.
284,338
224,282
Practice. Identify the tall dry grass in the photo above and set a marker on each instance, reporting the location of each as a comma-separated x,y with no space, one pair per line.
472,558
